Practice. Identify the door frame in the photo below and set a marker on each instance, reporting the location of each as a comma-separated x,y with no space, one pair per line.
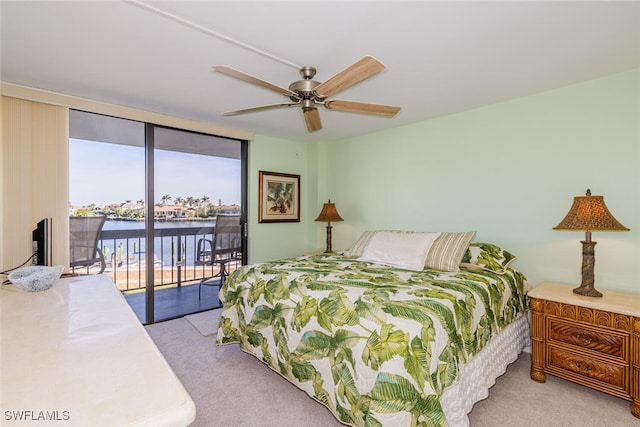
150,204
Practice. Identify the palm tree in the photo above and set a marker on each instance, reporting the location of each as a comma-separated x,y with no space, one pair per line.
206,206
166,198
179,200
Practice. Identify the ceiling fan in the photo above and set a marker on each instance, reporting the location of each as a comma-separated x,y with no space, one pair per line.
309,94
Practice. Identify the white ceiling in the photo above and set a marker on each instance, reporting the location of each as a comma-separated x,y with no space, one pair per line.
441,57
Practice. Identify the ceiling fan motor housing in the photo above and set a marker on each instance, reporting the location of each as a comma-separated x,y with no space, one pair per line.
305,88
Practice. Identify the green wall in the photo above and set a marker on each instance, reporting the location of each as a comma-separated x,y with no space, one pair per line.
270,241
508,170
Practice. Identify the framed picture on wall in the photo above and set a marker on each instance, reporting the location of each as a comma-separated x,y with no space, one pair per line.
279,197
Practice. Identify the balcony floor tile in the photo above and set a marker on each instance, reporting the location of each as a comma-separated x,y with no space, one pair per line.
174,302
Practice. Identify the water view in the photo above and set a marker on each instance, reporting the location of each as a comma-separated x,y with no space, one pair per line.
185,212
131,250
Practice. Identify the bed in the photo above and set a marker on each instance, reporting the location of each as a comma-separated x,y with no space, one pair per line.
379,344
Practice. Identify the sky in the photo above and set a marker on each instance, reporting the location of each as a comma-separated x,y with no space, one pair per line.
104,173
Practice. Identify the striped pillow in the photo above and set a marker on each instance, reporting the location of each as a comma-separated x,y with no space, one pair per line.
447,251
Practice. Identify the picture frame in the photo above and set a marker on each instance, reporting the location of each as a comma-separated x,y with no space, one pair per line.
278,197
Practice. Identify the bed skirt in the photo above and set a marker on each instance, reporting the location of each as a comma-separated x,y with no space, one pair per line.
481,372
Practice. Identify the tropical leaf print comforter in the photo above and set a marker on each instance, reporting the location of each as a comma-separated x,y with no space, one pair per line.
375,344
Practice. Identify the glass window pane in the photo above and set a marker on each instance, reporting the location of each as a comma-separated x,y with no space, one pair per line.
196,178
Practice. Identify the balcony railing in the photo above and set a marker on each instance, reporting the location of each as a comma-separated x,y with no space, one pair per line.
177,260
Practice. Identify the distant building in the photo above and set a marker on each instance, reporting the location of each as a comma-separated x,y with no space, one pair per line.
228,209
168,212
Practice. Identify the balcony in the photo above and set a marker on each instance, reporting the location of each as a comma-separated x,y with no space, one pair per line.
180,261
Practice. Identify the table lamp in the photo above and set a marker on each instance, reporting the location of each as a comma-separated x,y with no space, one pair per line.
589,213
328,214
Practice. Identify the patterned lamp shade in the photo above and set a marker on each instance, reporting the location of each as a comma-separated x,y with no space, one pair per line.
589,213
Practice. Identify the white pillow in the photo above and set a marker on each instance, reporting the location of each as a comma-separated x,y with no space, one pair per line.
399,249
361,244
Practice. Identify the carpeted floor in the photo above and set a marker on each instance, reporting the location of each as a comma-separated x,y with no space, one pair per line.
231,388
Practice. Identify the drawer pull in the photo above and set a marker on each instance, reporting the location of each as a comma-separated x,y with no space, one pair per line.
584,368
584,339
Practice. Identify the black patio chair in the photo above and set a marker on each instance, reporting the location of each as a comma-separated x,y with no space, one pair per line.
226,248
84,235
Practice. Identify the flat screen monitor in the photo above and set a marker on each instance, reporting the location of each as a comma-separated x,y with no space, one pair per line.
41,238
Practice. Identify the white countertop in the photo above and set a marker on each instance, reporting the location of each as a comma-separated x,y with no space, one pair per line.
78,353
617,302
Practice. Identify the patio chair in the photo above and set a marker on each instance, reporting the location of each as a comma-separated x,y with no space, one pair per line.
225,248
84,235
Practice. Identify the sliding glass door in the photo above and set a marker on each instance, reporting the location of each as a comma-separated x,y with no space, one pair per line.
196,179
162,190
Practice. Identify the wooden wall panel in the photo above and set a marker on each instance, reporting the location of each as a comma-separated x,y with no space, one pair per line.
35,178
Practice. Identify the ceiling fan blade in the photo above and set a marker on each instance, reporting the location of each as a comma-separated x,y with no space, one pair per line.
362,107
361,70
261,108
312,119
232,72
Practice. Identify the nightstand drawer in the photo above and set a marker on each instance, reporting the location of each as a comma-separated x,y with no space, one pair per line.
588,370
589,337
594,342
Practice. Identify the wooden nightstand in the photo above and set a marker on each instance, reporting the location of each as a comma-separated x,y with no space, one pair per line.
590,341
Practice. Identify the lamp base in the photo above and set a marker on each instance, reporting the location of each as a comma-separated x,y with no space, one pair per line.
587,288
328,250
587,291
